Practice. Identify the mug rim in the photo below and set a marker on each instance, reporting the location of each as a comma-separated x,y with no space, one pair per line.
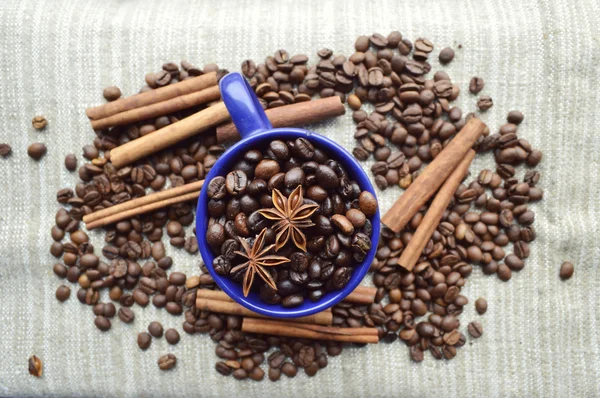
330,299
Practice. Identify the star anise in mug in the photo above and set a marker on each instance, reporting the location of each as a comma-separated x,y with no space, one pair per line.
291,215
257,259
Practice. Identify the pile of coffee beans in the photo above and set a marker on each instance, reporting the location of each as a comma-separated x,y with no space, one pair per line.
335,228
487,225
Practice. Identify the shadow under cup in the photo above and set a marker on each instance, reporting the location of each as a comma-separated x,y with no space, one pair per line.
223,167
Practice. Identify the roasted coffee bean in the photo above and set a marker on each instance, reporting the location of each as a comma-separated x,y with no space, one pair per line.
367,203
71,162
446,55
266,169
63,293
167,362
475,329
292,300
172,336
485,102
36,150
566,270
236,183
191,245
102,323
481,306
217,188
476,85
111,93
155,329
5,150
126,315
90,152
35,366
326,177
39,122
515,117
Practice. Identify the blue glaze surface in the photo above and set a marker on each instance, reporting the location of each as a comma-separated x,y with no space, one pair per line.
256,132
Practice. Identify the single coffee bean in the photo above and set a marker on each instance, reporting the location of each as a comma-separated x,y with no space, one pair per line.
343,224
144,340
36,150
485,102
446,55
481,306
515,117
566,270
367,203
5,150
167,362
39,122
475,329
217,188
266,169
191,245
155,329
102,323
292,300
63,293
90,152
35,366
126,315
172,336
326,177
70,162
236,182
294,177
504,272
289,369
111,93
476,85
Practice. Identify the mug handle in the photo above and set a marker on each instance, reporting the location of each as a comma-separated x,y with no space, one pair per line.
246,112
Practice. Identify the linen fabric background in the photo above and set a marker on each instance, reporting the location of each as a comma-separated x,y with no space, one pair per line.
541,334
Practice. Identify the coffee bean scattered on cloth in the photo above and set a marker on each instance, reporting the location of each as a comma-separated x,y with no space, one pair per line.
524,352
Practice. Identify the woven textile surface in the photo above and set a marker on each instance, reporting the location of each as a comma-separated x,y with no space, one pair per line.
541,334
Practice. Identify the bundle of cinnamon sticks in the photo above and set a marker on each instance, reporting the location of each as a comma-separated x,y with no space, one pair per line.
184,95
445,173
316,326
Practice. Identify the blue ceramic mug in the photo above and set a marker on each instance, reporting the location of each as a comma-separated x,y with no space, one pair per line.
256,132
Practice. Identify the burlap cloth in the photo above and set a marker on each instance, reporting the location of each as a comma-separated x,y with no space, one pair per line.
541,334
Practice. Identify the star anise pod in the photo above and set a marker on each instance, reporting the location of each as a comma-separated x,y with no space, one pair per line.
257,259
291,215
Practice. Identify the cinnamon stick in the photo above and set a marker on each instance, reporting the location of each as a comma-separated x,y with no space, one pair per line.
144,200
432,177
158,109
360,295
141,210
233,308
315,332
291,115
169,135
152,97
412,251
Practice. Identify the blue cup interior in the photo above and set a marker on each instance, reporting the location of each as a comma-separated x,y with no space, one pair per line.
223,166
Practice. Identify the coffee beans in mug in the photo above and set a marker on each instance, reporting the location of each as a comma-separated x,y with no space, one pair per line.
287,181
